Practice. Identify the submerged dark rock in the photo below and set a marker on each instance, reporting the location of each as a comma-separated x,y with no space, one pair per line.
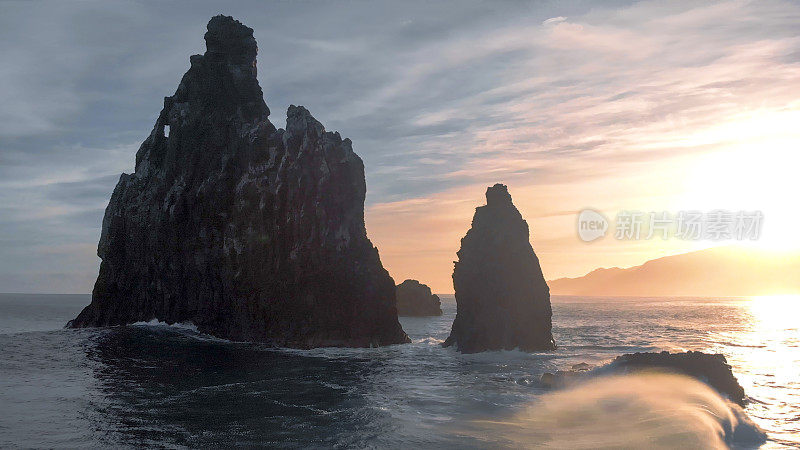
248,231
416,299
503,300
712,369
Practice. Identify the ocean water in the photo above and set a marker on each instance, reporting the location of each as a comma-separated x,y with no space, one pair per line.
169,386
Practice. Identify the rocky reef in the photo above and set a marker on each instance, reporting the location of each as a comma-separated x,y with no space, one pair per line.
248,231
416,299
503,301
712,369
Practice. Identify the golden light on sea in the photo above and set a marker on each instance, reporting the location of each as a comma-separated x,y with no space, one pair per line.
767,351
776,313
774,324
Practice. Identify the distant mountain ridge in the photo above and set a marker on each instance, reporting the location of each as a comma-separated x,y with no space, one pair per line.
714,272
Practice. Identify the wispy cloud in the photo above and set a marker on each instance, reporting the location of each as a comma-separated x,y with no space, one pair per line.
572,105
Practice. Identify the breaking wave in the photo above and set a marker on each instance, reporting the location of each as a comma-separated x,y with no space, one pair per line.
643,410
189,326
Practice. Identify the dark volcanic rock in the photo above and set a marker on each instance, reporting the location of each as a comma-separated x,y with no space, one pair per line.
710,369
503,299
248,231
416,299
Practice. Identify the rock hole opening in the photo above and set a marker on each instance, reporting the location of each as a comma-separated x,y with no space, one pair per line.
166,130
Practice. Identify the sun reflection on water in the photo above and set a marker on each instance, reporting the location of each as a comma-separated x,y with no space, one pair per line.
777,313
765,352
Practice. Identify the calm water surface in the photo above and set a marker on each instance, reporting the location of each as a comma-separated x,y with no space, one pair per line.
157,385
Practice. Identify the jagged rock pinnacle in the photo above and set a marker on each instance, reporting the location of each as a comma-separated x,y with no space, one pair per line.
227,38
248,231
498,195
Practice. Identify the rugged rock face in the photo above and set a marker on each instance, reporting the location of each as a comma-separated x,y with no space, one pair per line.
503,299
712,369
248,231
416,299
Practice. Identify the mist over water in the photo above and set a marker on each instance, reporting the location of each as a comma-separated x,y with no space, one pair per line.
152,384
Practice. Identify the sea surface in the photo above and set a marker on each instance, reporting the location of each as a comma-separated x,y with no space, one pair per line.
169,386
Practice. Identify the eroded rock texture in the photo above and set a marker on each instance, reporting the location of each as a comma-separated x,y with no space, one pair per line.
503,300
248,231
416,299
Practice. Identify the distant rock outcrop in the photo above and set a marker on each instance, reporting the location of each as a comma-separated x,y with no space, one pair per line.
416,299
503,300
248,231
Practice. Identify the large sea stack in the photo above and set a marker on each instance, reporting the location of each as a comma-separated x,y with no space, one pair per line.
416,299
248,231
503,301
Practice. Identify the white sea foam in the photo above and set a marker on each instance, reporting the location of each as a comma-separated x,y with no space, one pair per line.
157,323
430,341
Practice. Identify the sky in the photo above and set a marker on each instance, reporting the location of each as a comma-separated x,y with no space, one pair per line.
614,106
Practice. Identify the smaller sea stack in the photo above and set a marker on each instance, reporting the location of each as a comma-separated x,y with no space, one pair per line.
416,299
503,302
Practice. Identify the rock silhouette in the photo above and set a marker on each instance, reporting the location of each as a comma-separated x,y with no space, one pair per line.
416,299
503,301
248,231
712,369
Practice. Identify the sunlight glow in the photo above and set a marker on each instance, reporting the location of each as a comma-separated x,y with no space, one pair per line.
776,312
752,171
